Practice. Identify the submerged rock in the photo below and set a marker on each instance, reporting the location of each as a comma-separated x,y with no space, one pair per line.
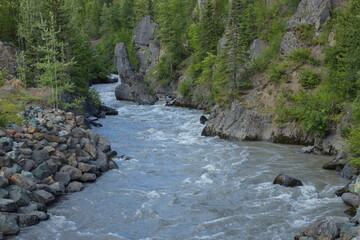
203,120
287,181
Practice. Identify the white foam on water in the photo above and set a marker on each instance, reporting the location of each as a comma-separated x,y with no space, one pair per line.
205,179
117,236
216,236
153,194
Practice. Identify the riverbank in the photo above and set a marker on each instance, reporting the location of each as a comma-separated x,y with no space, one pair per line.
53,153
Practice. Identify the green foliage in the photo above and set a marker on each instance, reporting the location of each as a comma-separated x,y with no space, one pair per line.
184,88
3,78
277,72
354,145
165,71
54,66
9,112
305,32
303,56
9,10
94,96
309,79
311,111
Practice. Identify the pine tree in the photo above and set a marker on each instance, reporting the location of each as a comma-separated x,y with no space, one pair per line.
53,67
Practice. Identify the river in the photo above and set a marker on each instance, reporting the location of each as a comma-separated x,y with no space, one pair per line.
180,185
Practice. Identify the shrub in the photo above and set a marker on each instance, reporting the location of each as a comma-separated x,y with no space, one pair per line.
3,76
354,145
165,71
95,97
277,72
184,88
305,32
9,112
303,56
309,79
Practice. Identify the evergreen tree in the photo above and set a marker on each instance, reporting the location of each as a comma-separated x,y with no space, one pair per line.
53,67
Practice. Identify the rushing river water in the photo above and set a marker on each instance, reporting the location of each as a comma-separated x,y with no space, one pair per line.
180,185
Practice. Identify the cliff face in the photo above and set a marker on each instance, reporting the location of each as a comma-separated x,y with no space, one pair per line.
253,118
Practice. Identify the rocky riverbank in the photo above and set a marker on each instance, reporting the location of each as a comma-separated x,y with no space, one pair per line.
51,154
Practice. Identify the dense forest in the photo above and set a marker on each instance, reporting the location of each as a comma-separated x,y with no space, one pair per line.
65,44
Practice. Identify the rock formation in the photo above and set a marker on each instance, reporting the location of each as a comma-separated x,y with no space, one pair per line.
133,87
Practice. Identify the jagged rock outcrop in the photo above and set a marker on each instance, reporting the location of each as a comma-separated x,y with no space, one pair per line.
147,50
240,123
122,62
309,12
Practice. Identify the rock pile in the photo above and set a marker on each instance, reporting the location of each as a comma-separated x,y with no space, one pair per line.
48,156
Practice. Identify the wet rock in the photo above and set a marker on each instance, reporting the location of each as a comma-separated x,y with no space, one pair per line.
22,181
41,215
287,181
74,187
25,220
203,120
101,162
308,149
33,206
103,145
351,211
348,171
42,171
113,165
333,165
349,231
328,228
342,191
8,224
42,196
8,205
88,177
109,111
351,199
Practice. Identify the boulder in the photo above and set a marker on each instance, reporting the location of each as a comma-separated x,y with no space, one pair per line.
22,181
42,171
289,43
351,199
41,215
257,48
42,196
8,224
8,205
3,182
90,148
348,171
203,120
101,162
29,165
328,228
74,187
20,195
88,177
84,167
63,178
287,181
58,188
25,220
75,174
40,156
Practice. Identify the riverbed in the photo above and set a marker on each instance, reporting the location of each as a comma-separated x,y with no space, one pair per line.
175,184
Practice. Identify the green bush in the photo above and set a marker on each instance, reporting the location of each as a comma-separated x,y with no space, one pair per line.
165,71
9,112
303,56
354,145
305,32
309,79
3,76
277,72
95,97
184,88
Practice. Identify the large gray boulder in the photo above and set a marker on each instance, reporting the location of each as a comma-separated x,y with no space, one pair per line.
287,181
8,224
122,62
289,43
328,228
311,12
136,91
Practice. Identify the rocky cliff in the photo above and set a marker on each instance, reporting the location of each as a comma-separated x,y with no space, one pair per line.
147,51
251,119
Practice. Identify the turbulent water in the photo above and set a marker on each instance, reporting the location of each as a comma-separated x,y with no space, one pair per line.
180,185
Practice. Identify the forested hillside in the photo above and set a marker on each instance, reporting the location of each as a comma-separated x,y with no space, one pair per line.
257,54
